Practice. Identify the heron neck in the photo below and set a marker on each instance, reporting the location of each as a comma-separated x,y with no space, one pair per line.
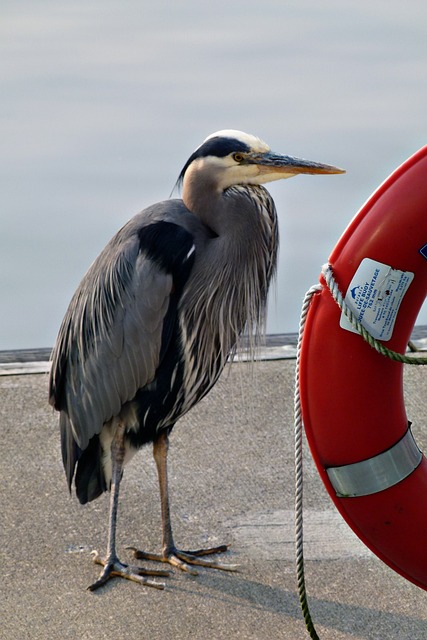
229,214
202,198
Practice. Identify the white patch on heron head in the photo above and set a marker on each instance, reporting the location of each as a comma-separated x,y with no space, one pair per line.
255,144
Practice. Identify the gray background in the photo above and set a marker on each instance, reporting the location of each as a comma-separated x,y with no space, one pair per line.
103,102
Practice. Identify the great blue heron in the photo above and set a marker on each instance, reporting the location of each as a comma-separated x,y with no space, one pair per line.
155,318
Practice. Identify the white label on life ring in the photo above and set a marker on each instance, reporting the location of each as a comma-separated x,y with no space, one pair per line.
374,297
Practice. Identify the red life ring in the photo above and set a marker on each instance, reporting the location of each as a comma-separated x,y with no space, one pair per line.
351,396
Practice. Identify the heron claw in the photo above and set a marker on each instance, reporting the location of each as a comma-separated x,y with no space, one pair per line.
114,568
185,560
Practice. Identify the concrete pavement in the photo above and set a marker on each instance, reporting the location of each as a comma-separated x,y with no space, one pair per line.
231,468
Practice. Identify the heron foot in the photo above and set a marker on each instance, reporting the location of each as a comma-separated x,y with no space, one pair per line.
185,560
114,568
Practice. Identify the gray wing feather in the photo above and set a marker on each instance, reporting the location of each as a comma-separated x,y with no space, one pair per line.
109,343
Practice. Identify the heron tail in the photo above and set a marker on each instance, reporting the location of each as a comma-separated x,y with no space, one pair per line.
90,479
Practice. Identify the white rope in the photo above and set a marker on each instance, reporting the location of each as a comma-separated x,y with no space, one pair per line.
378,346
299,551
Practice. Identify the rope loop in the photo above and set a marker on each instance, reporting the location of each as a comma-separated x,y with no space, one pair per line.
328,275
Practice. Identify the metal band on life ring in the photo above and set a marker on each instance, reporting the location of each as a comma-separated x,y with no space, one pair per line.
377,473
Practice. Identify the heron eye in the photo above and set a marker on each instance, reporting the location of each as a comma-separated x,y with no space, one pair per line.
237,157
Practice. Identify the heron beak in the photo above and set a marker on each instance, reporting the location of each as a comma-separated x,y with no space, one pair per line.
288,166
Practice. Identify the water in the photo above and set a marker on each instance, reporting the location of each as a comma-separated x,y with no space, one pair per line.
102,103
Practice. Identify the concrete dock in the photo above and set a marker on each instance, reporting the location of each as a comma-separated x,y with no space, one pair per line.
232,477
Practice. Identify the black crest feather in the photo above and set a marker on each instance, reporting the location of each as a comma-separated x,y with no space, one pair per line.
217,146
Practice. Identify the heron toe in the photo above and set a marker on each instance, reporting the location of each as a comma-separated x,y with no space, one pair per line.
114,568
184,559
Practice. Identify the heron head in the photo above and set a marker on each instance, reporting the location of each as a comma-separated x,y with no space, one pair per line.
230,157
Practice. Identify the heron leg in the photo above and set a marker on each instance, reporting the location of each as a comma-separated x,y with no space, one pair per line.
112,565
170,553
